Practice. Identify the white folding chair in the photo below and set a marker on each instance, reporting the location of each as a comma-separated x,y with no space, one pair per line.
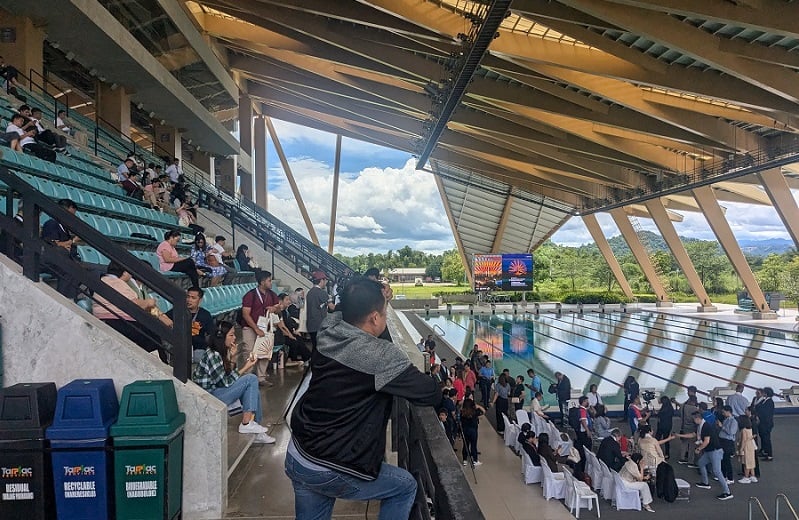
522,417
577,493
554,484
532,474
624,497
510,432
608,483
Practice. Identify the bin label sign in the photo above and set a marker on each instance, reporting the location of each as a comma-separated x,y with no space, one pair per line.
140,470
141,489
78,471
18,472
80,489
17,491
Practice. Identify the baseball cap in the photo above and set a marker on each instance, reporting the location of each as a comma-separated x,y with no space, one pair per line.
319,275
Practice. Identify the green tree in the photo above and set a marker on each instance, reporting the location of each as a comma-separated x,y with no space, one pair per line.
771,273
791,280
452,268
709,262
433,269
604,275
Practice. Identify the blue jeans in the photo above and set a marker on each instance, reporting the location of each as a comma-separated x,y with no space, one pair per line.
246,389
315,492
714,459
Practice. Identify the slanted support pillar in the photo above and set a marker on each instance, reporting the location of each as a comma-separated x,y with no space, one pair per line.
290,177
601,242
503,223
334,202
640,254
260,172
779,192
658,213
721,228
455,234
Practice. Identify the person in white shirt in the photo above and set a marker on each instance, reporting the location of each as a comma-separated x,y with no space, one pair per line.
26,141
593,397
536,408
48,137
63,124
737,401
174,171
123,170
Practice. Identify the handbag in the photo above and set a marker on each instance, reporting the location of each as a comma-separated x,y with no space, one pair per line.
266,344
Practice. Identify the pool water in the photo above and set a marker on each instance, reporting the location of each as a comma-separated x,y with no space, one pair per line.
664,352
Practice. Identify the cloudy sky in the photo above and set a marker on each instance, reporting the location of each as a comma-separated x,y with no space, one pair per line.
384,203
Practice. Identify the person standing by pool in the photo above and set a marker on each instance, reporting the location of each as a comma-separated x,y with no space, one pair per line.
535,382
485,381
563,390
502,389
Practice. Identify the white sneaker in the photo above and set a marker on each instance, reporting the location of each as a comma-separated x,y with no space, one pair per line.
729,482
251,427
745,480
477,463
753,480
263,438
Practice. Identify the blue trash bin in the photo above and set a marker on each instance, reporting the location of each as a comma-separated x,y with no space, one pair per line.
85,411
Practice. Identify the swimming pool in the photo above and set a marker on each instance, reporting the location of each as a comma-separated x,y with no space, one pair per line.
664,352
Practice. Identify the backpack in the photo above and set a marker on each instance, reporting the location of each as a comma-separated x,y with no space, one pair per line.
574,418
665,482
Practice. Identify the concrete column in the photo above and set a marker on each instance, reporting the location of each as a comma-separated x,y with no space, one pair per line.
205,162
640,254
226,175
245,183
658,213
167,141
113,106
604,248
245,122
22,45
260,172
721,228
782,199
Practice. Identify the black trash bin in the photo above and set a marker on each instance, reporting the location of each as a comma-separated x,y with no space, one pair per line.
26,475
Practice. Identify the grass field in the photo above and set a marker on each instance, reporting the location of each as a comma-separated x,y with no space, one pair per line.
427,290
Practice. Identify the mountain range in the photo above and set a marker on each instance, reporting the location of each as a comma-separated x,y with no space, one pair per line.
654,242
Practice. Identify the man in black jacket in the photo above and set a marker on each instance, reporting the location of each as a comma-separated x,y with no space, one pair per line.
610,451
564,393
339,425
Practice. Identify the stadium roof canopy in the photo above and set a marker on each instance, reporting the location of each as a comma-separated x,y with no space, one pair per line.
530,110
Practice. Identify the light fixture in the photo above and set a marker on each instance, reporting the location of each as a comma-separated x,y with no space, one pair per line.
70,56
140,106
55,45
114,86
101,78
93,72
163,122
152,115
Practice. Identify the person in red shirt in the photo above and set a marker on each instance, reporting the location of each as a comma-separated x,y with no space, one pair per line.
255,304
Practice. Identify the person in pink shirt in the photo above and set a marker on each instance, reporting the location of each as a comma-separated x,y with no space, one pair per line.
459,385
469,377
169,260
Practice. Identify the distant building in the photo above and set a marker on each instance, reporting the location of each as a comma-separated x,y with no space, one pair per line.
406,274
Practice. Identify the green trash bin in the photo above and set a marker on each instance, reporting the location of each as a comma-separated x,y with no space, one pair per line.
148,452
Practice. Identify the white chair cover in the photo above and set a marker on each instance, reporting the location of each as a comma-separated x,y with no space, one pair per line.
577,493
522,417
608,483
510,432
532,474
624,497
554,484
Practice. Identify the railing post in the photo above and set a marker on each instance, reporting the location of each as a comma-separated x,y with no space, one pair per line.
30,255
181,349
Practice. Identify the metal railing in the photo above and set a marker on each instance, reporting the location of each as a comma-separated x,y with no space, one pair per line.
782,498
43,88
425,452
38,255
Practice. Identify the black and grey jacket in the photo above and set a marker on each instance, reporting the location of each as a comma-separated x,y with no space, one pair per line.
340,422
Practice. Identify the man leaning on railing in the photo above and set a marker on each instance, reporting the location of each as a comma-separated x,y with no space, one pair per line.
339,425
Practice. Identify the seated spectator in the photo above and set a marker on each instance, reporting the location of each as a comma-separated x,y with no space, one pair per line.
217,373
56,234
601,422
245,259
26,138
535,406
152,192
298,352
218,250
63,124
526,427
530,447
46,136
132,187
610,451
120,280
546,452
188,219
202,323
169,260
123,170
201,253
632,473
650,447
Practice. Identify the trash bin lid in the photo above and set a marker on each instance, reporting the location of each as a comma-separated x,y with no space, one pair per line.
26,409
148,408
86,409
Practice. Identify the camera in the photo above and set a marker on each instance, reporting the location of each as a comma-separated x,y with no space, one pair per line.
647,396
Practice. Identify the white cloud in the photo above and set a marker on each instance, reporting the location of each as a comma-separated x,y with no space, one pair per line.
378,208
